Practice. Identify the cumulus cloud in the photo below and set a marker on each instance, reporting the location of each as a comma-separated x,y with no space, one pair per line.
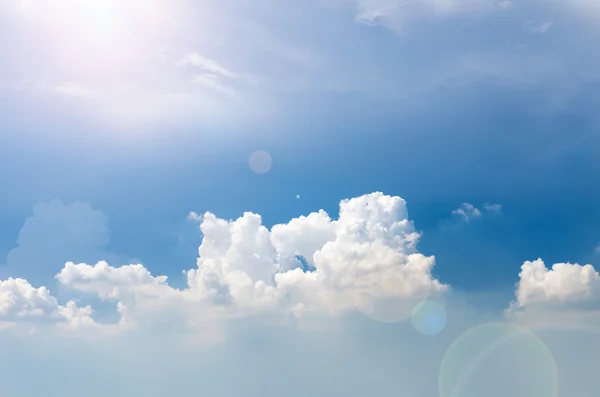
368,253
54,234
564,285
366,259
20,303
143,301
272,293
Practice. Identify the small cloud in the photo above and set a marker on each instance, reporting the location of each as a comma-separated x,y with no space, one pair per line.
193,216
467,211
492,207
536,27
208,65
561,285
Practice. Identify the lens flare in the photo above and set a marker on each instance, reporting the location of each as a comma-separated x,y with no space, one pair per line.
498,359
260,161
429,318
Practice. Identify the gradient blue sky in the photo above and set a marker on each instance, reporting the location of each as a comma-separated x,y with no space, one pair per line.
117,121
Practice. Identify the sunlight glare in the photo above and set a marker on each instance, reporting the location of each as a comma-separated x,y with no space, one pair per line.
98,35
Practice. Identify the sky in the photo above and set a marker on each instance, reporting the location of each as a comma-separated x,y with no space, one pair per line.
325,197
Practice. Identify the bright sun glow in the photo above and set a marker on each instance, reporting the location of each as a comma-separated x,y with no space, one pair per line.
118,60
89,17
97,35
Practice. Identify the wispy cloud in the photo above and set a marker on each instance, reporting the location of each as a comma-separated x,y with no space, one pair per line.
209,73
396,13
468,211
62,88
206,64
537,27
70,89
492,207
212,81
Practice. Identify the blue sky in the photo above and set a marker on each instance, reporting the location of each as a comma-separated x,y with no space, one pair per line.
118,119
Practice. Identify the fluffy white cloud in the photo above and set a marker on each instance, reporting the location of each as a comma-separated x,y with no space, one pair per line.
564,285
247,272
366,259
368,254
20,302
142,301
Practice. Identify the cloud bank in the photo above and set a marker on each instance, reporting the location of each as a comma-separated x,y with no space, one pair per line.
364,261
367,259
263,305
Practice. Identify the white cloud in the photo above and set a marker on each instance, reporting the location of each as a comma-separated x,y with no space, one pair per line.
20,302
397,13
211,74
564,285
18,299
193,216
211,81
537,27
143,302
368,254
206,64
250,292
367,260
492,207
469,212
